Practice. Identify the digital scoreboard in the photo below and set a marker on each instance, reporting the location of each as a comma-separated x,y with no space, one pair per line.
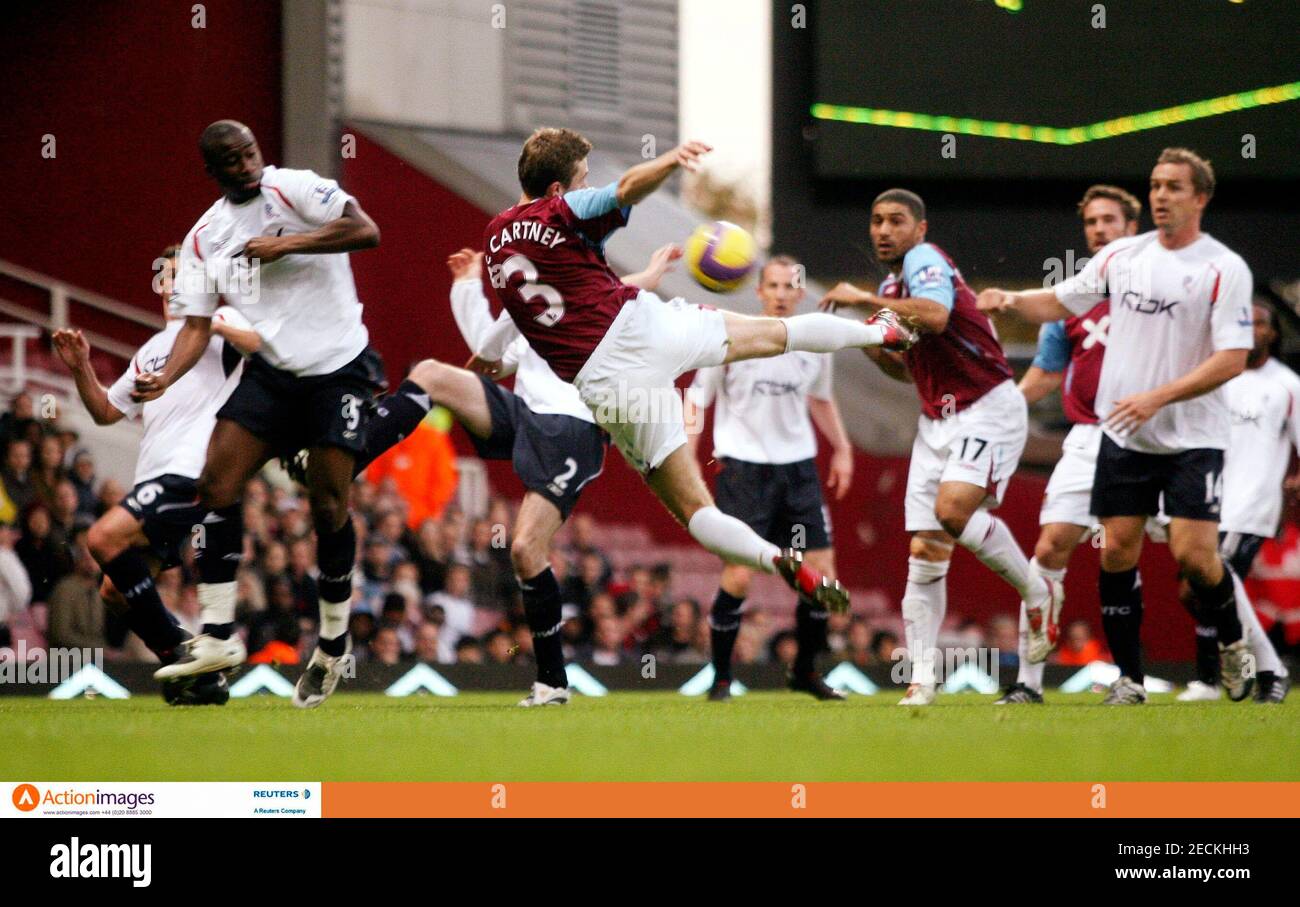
1053,89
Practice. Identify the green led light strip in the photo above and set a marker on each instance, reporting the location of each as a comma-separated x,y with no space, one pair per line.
1052,135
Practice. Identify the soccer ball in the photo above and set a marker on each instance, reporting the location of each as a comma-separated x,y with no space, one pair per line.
720,256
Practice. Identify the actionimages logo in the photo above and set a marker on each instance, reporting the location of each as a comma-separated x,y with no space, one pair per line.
75,860
26,797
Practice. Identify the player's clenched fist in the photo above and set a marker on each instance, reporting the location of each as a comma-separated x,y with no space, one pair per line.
148,386
265,249
995,300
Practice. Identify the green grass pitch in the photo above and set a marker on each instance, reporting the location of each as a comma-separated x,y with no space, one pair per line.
649,737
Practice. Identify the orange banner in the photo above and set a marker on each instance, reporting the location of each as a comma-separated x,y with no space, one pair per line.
833,799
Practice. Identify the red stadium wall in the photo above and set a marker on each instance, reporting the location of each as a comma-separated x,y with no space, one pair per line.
124,89
405,286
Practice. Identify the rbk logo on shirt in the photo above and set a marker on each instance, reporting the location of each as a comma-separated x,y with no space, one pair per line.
1143,306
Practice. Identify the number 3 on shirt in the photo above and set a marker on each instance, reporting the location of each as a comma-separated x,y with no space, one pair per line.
530,289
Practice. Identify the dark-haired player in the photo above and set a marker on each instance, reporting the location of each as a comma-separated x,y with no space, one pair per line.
1180,328
143,535
275,247
623,347
1070,354
971,432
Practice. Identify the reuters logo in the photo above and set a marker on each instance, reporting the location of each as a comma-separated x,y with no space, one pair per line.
26,797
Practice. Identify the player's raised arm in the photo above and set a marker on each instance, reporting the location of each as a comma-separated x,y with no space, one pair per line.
75,353
1036,306
639,181
191,341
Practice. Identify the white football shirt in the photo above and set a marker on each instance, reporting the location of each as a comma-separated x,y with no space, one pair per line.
1263,403
1169,312
178,424
541,389
762,406
305,307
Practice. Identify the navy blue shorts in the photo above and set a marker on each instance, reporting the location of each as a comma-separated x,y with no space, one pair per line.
1130,482
169,512
553,455
782,502
293,412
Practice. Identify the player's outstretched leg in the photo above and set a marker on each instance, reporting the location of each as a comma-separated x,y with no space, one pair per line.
958,508
118,543
815,332
329,476
677,482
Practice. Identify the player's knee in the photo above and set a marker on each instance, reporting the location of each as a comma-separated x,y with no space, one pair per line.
103,543
929,549
1200,567
1053,551
428,375
529,551
328,511
216,493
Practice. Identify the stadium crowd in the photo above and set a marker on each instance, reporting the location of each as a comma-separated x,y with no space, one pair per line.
440,592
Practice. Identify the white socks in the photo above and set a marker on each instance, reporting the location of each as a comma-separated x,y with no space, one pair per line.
732,540
818,332
1256,639
989,539
925,602
334,618
1031,675
217,603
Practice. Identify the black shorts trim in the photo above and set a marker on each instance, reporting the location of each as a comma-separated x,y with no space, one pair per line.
1130,482
168,510
553,455
775,499
294,412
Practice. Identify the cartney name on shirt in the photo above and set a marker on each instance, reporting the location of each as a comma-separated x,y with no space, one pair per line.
529,230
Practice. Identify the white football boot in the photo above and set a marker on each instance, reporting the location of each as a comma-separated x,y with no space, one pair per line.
204,654
1199,692
321,677
544,695
1044,614
919,694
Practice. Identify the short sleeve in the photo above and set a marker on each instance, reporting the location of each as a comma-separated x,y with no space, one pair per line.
821,386
120,393
929,276
312,197
1293,408
1053,348
705,385
1087,288
596,211
1230,312
191,288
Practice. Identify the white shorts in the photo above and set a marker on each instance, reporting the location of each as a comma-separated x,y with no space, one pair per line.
628,381
1068,498
980,445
